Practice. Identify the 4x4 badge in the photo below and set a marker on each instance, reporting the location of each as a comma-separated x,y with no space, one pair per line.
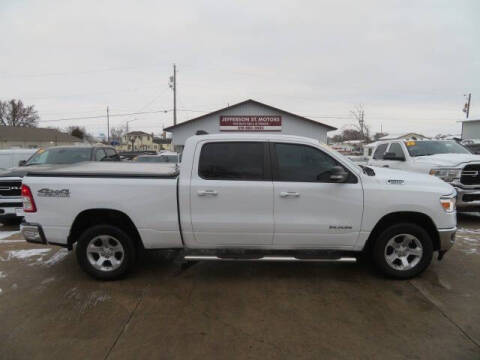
53,193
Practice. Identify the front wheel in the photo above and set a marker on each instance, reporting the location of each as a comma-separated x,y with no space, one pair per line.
403,251
105,252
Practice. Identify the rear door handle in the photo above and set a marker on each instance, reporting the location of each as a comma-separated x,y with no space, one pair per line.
386,166
286,194
207,193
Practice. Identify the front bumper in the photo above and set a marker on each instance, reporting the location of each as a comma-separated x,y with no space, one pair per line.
33,233
468,200
447,238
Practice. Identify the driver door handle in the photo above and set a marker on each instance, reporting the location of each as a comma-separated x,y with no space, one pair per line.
207,193
287,194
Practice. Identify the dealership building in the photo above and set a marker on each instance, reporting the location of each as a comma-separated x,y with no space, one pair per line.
247,117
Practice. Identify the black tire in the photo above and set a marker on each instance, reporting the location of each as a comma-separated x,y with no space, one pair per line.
379,248
127,259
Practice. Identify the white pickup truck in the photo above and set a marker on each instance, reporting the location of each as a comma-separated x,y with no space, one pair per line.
242,197
446,160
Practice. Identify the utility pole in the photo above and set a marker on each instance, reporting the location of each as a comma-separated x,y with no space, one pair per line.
361,121
108,126
173,86
466,108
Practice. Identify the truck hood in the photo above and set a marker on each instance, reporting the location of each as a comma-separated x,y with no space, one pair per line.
447,160
21,171
394,177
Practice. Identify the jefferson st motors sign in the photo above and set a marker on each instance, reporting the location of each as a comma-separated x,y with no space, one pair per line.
251,123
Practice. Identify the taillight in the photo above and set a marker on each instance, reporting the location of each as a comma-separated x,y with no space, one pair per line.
28,202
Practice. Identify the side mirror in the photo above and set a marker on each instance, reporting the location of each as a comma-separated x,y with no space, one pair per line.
392,156
338,174
22,162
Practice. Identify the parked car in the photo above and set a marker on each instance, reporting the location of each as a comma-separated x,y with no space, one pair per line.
11,179
12,157
130,155
473,145
164,157
242,197
446,160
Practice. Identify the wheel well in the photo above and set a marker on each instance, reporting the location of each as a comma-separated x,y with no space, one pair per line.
420,219
89,218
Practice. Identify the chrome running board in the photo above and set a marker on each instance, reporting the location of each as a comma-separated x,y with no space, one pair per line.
267,258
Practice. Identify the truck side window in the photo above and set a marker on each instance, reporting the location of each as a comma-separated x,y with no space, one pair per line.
112,154
396,148
380,151
302,163
232,161
100,155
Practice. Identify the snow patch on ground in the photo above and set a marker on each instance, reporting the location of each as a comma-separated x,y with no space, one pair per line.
47,280
56,258
83,302
10,241
470,231
466,243
2,275
6,234
1,290
25,254
36,256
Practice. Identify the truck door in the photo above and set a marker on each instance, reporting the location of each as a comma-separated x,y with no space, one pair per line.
394,157
231,194
377,158
310,210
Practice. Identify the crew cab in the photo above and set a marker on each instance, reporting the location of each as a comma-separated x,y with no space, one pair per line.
444,159
242,197
11,179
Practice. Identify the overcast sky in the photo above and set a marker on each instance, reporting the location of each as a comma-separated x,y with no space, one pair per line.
408,63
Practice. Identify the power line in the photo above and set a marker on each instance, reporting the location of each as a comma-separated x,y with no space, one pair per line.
121,114
104,116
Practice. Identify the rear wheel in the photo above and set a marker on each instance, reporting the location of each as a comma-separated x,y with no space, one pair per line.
403,251
105,252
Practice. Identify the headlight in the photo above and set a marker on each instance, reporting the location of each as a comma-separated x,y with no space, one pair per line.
448,204
447,174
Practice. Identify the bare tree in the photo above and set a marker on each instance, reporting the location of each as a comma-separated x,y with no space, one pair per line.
359,115
132,139
116,133
346,135
379,135
81,133
14,113
77,131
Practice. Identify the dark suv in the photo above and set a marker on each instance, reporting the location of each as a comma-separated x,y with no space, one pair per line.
71,154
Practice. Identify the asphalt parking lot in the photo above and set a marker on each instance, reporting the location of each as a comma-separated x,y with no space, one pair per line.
50,309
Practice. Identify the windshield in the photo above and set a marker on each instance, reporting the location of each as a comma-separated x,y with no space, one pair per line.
158,159
59,156
425,148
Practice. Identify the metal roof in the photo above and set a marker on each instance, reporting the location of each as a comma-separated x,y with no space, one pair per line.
16,133
331,128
